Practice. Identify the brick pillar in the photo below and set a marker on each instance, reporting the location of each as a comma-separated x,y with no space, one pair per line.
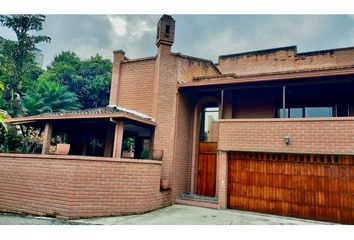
222,179
118,139
47,136
118,58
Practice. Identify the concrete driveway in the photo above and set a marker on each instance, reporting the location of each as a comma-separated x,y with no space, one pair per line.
189,215
173,215
21,219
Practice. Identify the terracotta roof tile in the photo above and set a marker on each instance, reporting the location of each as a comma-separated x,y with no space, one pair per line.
101,112
98,111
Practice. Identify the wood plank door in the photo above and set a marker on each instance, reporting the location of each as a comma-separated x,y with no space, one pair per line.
207,169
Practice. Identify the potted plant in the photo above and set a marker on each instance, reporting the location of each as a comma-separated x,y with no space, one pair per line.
157,154
63,147
128,147
95,144
164,184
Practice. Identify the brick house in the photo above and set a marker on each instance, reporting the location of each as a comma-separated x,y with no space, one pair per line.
269,131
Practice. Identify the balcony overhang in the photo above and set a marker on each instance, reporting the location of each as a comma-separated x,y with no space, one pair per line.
233,79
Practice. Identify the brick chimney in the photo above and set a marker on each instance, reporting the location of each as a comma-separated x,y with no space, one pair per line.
118,58
165,94
165,31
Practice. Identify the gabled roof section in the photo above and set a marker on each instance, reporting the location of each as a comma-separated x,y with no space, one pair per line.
111,111
199,60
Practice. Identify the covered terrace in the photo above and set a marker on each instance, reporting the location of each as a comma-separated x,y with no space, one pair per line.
103,132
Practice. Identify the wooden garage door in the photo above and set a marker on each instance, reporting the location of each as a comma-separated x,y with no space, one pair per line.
308,186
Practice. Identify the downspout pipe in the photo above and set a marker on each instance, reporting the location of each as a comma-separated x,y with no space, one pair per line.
222,105
284,101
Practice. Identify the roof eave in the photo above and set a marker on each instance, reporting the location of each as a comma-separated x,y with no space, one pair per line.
21,120
264,78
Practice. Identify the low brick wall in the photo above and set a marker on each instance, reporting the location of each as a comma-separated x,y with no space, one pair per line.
75,186
307,135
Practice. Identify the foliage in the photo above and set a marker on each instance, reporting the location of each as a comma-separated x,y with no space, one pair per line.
9,138
128,144
68,83
31,143
17,57
3,115
88,79
30,77
60,137
46,97
3,126
94,145
144,154
12,140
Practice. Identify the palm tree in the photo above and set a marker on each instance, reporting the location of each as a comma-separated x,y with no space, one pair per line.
46,97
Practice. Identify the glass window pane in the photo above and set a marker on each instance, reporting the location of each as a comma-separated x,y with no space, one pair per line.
280,113
208,126
319,112
296,112
212,109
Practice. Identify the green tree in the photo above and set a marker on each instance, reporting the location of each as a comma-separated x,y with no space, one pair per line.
48,96
18,56
3,114
4,146
89,79
97,73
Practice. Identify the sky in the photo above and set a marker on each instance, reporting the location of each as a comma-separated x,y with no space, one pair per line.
204,36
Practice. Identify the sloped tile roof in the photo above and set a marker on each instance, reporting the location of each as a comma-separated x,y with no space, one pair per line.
104,112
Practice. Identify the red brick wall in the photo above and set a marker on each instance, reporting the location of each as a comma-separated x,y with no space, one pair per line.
311,135
285,59
164,108
183,149
136,83
253,103
72,186
190,68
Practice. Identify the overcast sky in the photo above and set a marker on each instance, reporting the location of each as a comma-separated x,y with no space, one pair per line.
205,36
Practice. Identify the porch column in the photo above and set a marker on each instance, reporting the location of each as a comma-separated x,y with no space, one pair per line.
222,179
108,145
118,139
47,136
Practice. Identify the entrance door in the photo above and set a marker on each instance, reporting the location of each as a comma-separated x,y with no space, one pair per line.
207,169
